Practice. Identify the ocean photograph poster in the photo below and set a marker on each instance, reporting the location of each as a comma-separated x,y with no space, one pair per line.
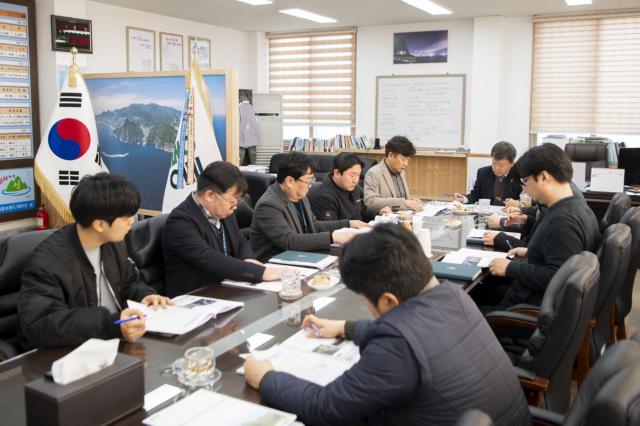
17,190
137,119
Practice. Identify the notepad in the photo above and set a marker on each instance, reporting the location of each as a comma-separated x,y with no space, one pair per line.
188,313
206,408
478,258
303,258
317,360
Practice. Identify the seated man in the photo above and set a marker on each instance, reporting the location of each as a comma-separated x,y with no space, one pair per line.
77,281
568,226
339,196
201,240
385,183
282,219
427,357
495,182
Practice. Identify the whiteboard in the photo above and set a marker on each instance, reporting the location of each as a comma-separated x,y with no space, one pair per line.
428,109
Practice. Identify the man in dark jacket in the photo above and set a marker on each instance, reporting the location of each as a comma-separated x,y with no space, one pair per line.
428,356
282,219
78,281
201,241
495,182
339,197
567,227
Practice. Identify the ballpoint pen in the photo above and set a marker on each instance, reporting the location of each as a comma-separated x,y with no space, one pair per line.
315,329
122,321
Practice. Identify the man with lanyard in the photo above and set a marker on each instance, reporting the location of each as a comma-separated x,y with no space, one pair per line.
201,240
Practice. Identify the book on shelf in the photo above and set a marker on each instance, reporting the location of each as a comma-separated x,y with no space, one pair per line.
330,145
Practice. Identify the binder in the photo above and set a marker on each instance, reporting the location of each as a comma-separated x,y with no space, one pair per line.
455,271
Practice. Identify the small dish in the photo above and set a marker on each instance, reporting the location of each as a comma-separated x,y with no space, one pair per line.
323,284
464,212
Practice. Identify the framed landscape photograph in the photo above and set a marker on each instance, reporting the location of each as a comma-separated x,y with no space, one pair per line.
421,47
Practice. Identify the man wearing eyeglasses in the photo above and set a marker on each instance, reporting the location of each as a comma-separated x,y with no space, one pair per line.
567,227
201,241
283,220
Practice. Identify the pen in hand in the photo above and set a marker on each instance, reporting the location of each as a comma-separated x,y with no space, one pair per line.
510,248
313,328
122,321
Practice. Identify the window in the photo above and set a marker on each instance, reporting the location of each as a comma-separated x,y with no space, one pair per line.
585,75
315,73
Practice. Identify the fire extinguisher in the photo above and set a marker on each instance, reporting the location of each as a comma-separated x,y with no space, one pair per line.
42,219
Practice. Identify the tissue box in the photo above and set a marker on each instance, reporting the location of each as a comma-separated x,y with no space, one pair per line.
98,399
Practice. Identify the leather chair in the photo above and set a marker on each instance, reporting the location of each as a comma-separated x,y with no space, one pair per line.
144,245
474,418
556,333
593,154
613,257
244,214
14,253
619,359
625,298
258,183
619,204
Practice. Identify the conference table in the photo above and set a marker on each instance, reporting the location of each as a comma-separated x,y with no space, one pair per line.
228,335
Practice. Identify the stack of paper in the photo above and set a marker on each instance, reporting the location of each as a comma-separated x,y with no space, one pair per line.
206,408
479,258
187,313
303,258
275,286
317,360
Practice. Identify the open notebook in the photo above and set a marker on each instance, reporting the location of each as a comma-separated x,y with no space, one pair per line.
317,360
206,408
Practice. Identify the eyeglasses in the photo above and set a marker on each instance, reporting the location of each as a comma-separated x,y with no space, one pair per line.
234,203
524,180
309,183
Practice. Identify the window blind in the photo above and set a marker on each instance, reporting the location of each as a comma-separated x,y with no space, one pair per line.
586,75
315,74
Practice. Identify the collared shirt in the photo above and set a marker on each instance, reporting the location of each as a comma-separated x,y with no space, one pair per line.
216,225
397,181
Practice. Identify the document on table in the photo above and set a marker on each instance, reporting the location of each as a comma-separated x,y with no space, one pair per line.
476,234
479,258
206,408
188,313
317,360
275,286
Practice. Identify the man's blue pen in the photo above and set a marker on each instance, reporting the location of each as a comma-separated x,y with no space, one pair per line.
122,321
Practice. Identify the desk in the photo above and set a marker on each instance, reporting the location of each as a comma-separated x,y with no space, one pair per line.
227,335
599,201
430,173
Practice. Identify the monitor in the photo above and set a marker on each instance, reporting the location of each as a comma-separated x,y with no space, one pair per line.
629,160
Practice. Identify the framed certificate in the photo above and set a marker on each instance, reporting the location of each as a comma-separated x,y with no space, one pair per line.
201,48
171,52
141,49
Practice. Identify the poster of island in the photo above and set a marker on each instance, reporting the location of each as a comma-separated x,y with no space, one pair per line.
17,190
137,120
420,47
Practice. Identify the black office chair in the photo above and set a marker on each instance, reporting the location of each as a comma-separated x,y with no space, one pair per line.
244,215
15,251
556,333
619,359
619,204
144,245
593,154
613,256
258,183
474,418
625,298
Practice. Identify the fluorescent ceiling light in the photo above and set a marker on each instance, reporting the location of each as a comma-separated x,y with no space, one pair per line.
428,6
257,2
577,2
301,13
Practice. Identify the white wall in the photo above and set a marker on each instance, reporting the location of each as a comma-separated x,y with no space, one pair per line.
229,48
375,57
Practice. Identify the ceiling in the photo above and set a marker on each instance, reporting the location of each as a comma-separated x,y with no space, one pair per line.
241,16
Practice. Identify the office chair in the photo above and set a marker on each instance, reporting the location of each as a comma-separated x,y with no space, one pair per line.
144,246
15,251
258,183
624,300
555,334
617,207
244,214
593,154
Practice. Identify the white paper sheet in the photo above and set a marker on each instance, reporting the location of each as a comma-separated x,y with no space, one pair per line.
479,258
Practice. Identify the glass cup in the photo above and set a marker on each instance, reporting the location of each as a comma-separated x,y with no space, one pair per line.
197,368
525,200
483,205
290,284
406,219
481,222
